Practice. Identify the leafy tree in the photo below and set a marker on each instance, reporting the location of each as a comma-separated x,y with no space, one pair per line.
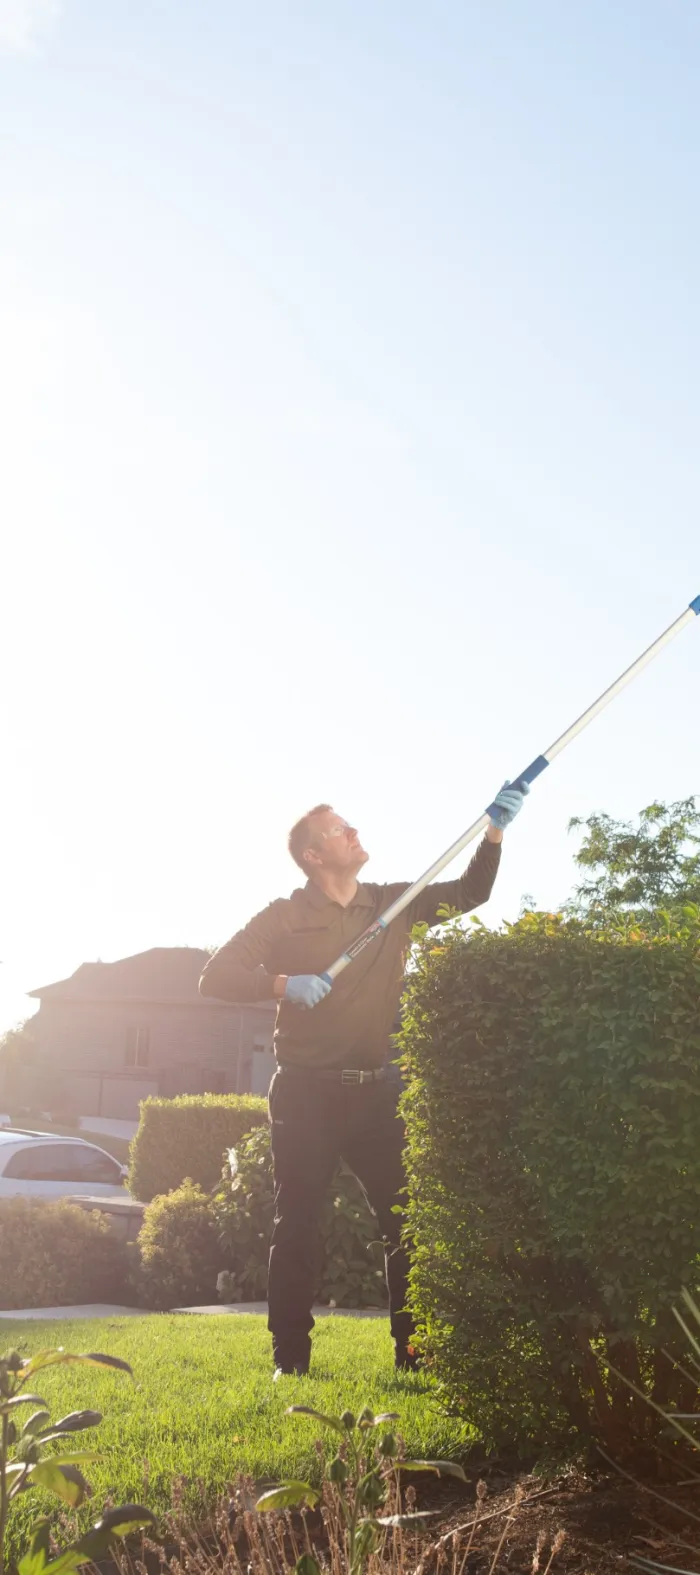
17,1049
634,868
15,1041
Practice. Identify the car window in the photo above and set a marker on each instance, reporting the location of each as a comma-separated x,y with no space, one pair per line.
71,1162
42,1162
96,1166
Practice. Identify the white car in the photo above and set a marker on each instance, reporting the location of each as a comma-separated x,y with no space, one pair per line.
39,1165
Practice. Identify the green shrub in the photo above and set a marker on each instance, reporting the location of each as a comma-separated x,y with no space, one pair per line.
55,1254
28,1462
188,1136
179,1249
351,1262
553,1116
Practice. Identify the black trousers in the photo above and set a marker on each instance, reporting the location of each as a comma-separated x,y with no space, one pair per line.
314,1123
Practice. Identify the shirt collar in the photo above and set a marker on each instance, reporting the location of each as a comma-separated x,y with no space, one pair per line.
316,898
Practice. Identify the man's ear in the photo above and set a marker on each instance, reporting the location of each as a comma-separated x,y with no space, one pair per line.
311,858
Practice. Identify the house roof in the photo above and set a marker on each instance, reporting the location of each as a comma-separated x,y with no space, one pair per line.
166,973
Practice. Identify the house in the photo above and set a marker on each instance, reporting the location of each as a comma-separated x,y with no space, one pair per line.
116,1032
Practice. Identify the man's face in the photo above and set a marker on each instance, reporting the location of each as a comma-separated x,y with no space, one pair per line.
335,845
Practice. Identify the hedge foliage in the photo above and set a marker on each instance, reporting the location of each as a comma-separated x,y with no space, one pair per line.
188,1137
55,1254
179,1250
351,1259
554,1157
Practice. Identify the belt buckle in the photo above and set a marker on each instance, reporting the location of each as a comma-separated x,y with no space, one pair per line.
351,1077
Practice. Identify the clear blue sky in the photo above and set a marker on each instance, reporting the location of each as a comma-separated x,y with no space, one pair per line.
350,404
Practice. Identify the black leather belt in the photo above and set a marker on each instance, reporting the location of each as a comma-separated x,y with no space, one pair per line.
349,1076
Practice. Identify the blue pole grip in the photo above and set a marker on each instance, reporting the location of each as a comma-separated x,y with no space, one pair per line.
695,604
535,769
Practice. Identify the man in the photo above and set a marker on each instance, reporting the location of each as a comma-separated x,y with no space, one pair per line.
330,1097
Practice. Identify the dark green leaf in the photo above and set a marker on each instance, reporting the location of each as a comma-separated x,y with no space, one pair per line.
120,1521
39,1550
98,1359
97,1542
34,1423
338,1471
72,1474
75,1422
60,1357
366,1539
7,1405
443,1468
318,1416
13,1472
48,1475
286,1496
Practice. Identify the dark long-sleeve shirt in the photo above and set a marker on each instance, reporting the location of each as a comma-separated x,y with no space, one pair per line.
305,933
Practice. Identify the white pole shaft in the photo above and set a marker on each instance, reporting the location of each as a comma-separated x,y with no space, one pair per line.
536,767
621,682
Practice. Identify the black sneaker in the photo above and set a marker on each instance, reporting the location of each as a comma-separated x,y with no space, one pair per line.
297,1370
406,1359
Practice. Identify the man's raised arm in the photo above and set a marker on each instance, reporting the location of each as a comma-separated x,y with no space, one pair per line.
476,884
467,892
239,970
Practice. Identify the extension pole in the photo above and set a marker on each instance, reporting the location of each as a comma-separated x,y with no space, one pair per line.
536,767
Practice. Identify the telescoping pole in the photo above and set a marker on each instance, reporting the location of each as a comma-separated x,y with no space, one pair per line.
535,769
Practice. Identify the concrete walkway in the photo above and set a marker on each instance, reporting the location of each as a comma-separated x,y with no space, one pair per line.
89,1310
103,1310
261,1308
103,1127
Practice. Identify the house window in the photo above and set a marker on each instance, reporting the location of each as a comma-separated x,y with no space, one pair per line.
137,1046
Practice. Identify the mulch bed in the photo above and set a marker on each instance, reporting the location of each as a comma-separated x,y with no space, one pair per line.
582,1523
605,1520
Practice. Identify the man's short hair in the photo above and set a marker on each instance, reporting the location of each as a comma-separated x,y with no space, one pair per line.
300,835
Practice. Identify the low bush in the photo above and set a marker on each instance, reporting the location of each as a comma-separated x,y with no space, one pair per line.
179,1249
188,1136
57,1255
553,1116
351,1271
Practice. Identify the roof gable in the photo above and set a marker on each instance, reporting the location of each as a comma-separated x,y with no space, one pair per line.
166,973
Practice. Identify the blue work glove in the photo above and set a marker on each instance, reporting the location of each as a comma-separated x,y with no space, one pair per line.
306,989
507,804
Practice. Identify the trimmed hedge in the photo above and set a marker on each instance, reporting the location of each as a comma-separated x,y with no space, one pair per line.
179,1249
188,1137
553,1120
56,1254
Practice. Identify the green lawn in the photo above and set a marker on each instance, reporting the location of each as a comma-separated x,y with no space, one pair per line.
203,1404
